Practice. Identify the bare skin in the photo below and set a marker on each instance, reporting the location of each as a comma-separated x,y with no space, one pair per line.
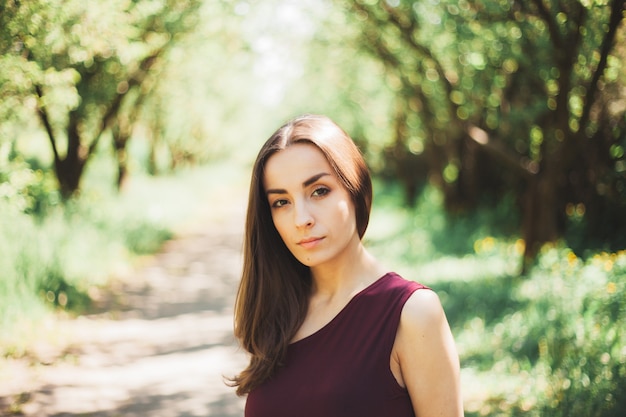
424,358
315,217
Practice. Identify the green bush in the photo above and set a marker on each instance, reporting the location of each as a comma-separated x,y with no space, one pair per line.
586,352
552,343
567,340
52,259
145,237
51,262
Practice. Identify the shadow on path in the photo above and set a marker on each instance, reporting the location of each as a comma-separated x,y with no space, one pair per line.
165,349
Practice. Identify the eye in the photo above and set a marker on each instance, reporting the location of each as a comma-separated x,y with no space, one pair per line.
320,191
279,203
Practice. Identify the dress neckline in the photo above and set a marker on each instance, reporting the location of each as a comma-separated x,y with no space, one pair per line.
341,312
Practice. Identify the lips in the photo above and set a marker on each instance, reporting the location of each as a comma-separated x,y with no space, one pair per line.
310,243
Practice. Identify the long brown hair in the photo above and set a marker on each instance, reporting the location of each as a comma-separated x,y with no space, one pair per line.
273,295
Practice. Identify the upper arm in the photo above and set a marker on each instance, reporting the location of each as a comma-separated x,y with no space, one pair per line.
428,358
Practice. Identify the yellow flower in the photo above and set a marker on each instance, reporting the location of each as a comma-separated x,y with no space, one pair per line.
571,258
611,287
488,243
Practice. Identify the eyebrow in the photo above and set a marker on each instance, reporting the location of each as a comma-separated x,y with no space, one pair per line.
306,183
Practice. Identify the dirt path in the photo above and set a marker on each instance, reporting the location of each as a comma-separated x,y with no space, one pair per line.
165,354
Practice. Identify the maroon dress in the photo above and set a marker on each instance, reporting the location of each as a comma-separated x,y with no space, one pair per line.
343,369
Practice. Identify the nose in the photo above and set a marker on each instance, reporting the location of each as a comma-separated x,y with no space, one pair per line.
303,216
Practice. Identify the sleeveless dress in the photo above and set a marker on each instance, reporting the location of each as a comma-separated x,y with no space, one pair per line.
343,370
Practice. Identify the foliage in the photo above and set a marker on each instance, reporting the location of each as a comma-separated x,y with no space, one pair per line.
428,231
552,344
496,97
56,260
569,337
584,346
62,260
300,58
433,91
32,191
198,111
83,70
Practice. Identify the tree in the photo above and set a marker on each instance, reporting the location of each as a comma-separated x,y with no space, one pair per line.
536,86
89,66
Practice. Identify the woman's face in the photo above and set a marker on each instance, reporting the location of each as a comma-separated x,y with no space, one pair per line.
311,209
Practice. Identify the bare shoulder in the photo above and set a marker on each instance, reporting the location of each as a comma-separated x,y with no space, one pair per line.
422,309
423,330
433,384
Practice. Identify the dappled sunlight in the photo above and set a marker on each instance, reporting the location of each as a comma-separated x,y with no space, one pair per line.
127,133
557,341
526,342
159,331
467,268
114,362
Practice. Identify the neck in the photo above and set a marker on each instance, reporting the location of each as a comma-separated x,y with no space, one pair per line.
355,271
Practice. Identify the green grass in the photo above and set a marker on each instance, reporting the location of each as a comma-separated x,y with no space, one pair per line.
52,263
552,343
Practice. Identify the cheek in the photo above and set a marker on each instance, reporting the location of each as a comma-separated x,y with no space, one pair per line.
279,224
346,212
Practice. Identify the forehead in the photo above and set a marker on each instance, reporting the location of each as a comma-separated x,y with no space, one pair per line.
294,165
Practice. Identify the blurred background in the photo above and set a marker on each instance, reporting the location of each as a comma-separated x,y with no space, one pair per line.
495,131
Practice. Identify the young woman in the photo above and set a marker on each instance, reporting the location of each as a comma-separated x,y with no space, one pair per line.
330,331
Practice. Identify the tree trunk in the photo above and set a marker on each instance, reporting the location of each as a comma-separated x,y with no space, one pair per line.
541,215
121,156
70,169
121,132
68,173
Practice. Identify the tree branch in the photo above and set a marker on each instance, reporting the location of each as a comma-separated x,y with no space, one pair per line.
43,115
406,27
134,80
500,152
553,27
617,15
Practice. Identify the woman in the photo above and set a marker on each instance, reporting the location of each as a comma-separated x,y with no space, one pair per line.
331,332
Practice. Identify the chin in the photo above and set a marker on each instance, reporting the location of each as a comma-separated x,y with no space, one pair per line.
308,261
313,262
